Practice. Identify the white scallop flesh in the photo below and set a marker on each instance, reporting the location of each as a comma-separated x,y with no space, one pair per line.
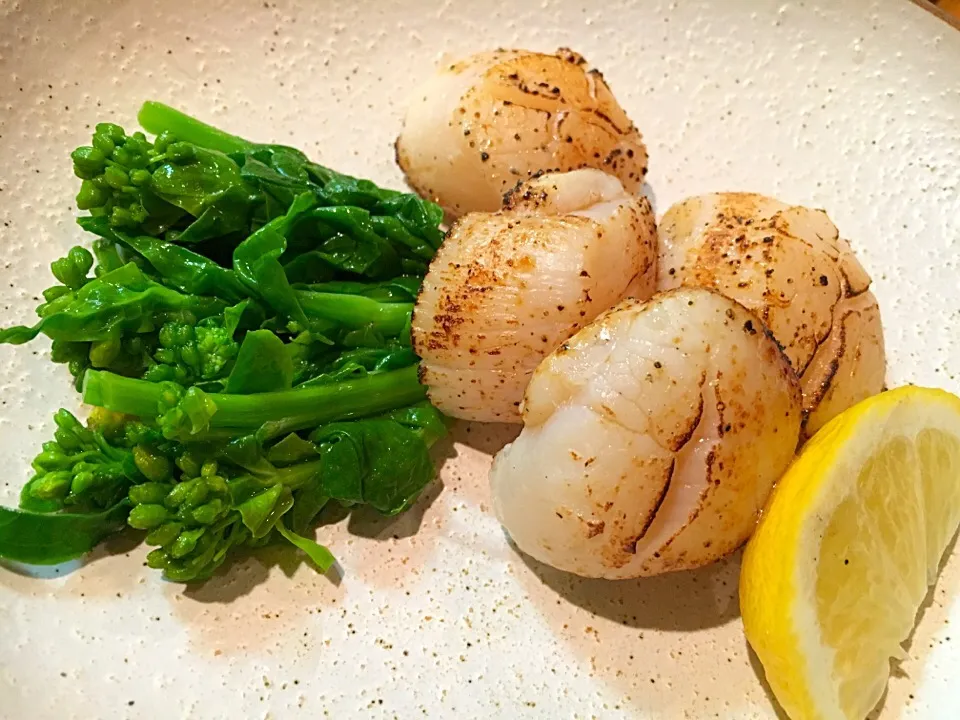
651,439
506,288
484,123
790,266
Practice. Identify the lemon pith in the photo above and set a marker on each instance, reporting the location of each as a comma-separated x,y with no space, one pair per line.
841,560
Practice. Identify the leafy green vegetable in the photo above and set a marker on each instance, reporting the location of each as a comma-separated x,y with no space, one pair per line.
123,300
242,327
279,174
322,557
178,266
191,352
277,167
151,188
257,263
261,512
158,118
49,539
116,181
214,508
328,367
78,469
402,289
129,355
377,462
264,365
242,498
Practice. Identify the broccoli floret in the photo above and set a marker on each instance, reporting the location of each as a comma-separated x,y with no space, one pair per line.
124,355
152,188
189,353
128,356
205,442
89,468
115,170
184,521
194,523
250,497
71,270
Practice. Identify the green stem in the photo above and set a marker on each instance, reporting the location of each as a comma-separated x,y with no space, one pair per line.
155,117
356,311
283,411
309,407
108,390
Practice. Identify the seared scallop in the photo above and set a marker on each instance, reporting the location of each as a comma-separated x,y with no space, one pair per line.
790,266
651,439
508,287
482,124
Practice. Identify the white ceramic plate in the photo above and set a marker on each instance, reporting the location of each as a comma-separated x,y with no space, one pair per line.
849,106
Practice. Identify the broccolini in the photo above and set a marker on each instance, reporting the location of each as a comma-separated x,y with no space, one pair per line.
242,328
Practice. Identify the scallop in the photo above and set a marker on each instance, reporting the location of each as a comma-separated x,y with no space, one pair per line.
651,439
789,265
482,124
508,287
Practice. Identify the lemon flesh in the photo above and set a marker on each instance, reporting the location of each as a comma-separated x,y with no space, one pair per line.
843,556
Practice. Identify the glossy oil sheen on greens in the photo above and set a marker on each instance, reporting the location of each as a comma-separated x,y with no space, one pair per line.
241,325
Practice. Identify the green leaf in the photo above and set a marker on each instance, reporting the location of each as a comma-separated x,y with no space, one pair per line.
19,334
292,449
192,413
261,512
379,462
307,267
122,301
350,363
423,419
356,247
309,501
245,315
256,261
177,266
399,289
320,555
197,184
80,470
41,539
263,365
277,172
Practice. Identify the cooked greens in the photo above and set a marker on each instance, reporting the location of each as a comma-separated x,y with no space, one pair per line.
242,329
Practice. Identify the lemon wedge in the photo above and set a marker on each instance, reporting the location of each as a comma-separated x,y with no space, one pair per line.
849,543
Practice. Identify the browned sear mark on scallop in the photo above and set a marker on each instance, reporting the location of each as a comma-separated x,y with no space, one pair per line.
595,527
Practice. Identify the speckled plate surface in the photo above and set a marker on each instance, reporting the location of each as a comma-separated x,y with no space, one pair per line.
853,106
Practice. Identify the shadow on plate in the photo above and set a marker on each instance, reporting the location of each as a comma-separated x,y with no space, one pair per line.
681,601
365,522
488,438
239,577
119,544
